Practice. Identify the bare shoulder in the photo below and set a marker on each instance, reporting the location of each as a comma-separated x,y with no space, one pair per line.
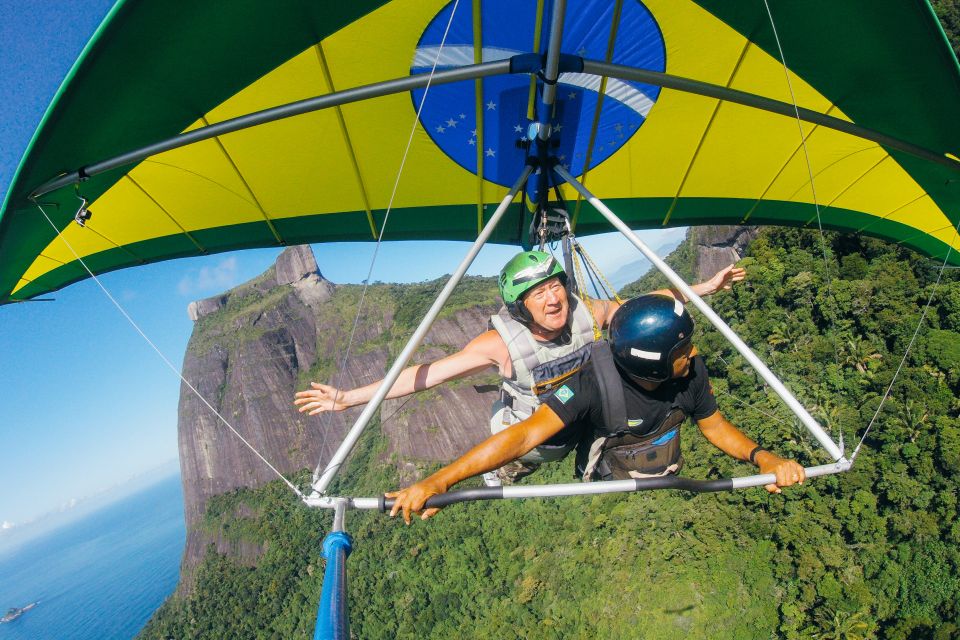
490,346
603,310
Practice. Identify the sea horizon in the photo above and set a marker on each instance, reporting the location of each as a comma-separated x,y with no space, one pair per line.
100,576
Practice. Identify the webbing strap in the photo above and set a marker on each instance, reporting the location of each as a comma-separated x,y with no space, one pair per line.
611,387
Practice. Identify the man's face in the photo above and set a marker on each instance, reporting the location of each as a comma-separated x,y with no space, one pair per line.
683,360
548,305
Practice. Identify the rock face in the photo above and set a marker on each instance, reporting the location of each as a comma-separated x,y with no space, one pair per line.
254,346
719,246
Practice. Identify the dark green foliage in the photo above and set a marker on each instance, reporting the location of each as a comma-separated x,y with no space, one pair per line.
869,554
948,11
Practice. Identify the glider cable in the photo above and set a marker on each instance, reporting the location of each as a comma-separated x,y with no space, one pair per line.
383,227
936,285
816,202
162,356
913,338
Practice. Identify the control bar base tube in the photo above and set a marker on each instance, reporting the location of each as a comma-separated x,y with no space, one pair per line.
584,489
321,484
812,426
613,486
333,620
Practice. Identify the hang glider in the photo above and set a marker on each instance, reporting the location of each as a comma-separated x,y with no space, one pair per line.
193,128
687,131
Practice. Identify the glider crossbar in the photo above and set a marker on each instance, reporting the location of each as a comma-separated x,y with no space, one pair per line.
517,492
335,99
768,376
688,85
472,72
333,466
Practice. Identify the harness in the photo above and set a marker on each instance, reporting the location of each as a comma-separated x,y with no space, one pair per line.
539,367
623,454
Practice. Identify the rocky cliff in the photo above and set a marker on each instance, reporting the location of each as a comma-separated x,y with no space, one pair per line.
718,246
255,345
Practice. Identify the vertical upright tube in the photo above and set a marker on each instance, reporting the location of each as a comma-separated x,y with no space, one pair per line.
714,319
321,484
333,612
551,69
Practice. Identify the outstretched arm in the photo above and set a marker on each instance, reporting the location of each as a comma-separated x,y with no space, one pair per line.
493,452
722,280
726,437
480,353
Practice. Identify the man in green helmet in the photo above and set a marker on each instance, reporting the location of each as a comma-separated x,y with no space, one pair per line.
542,336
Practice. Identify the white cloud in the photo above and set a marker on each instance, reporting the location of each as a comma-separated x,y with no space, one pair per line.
210,279
7,525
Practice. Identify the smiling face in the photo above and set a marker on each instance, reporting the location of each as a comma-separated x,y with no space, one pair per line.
548,306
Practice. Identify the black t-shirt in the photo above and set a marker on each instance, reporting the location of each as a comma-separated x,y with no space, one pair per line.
578,400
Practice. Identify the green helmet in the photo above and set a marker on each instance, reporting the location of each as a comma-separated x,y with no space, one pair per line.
524,272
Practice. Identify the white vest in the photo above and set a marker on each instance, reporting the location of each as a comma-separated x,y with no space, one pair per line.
527,353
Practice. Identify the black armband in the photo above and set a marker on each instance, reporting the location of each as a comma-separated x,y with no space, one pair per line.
753,454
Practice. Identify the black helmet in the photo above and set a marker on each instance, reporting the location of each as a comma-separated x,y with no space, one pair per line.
646,333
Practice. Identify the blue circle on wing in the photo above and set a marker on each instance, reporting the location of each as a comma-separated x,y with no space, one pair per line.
449,115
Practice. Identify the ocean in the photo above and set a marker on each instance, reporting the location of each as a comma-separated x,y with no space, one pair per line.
101,577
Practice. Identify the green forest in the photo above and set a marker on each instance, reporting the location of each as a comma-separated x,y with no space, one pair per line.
873,553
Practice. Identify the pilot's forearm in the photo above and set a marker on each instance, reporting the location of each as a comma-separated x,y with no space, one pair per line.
502,447
729,439
492,453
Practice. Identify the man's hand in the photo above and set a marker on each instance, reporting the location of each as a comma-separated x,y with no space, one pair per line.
724,279
788,472
412,499
319,399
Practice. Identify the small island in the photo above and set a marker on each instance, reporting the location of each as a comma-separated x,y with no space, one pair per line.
15,612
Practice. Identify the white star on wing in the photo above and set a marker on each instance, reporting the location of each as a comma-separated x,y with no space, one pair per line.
491,105
452,123
491,153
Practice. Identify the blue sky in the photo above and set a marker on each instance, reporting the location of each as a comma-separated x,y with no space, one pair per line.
87,403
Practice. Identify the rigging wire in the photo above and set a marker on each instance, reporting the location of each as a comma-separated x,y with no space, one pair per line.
746,404
936,285
913,338
383,227
816,202
163,357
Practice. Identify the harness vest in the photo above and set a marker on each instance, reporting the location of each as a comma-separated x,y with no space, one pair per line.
539,367
619,452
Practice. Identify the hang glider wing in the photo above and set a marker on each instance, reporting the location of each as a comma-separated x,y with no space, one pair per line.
657,155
